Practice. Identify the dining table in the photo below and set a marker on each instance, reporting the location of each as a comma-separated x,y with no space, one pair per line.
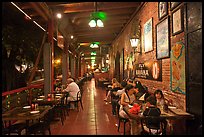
51,99
172,113
25,113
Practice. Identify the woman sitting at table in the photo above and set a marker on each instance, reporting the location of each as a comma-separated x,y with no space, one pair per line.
72,88
159,98
115,86
128,98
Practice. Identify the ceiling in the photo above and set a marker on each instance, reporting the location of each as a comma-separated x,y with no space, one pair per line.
75,19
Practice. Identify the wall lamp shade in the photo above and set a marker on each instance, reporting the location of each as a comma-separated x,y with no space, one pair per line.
134,42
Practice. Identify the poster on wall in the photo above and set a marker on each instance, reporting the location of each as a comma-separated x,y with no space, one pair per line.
177,68
148,36
151,70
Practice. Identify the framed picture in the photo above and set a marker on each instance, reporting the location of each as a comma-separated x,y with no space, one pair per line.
174,5
177,21
162,39
163,9
148,40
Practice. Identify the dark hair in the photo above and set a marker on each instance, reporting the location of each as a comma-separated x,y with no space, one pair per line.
128,87
123,84
146,96
139,86
152,100
160,92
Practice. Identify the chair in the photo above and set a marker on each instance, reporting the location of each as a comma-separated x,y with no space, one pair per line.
76,102
154,125
15,128
60,109
41,126
124,120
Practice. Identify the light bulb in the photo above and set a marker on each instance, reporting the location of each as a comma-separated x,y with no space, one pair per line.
99,23
92,23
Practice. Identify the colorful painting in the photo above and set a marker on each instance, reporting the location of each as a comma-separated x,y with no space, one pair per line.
162,39
148,36
177,68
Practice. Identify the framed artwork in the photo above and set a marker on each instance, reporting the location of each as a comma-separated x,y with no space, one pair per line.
162,9
177,68
177,21
174,5
148,40
162,39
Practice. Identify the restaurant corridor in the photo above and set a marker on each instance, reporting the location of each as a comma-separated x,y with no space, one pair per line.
95,119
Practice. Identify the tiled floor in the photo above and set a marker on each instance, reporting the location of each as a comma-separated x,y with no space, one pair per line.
95,119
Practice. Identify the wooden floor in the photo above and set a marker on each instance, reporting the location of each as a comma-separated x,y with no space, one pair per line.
95,119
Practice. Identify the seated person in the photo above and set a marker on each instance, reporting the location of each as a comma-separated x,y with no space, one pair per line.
115,87
115,97
152,110
72,88
140,90
128,98
159,98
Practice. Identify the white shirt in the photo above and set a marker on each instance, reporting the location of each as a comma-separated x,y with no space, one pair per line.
120,92
73,89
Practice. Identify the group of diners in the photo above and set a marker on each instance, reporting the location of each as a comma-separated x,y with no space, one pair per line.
130,92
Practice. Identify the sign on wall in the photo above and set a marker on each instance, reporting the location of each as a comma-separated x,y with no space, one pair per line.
151,70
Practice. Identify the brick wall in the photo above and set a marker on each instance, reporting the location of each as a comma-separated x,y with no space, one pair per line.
149,10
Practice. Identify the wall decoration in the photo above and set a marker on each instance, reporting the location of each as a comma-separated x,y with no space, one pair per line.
177,21
162,9
151,70
177,68
148,43
174,5
162,39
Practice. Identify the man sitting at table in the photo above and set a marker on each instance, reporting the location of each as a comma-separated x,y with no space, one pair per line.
72,88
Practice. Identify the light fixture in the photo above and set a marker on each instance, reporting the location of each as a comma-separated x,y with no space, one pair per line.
94,45
96,18
135,37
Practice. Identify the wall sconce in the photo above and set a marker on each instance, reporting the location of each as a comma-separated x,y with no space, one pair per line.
136,37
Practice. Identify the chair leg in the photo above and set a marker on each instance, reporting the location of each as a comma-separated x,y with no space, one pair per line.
81,104
124,128
119,125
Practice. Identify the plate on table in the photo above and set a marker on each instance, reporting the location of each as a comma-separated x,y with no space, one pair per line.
58,94
172,107
39,99
35,112
26,106
41,96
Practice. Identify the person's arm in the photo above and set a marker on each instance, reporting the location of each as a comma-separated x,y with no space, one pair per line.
122,100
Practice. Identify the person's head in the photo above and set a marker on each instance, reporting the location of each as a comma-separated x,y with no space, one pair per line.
123,84
129,89
114,80
69,80
147,94
158,94
151,100
130,81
